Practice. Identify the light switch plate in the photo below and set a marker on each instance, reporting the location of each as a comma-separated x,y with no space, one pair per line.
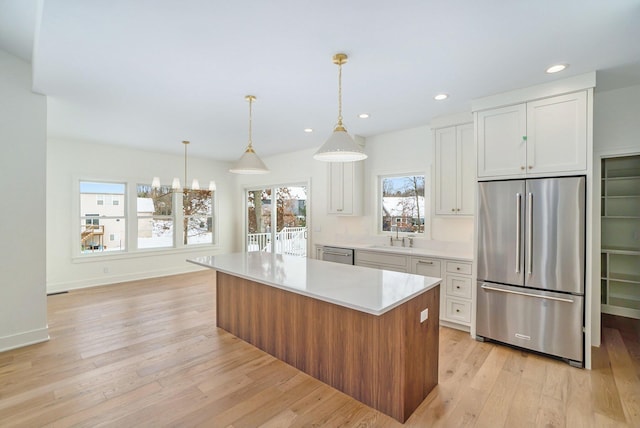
424,315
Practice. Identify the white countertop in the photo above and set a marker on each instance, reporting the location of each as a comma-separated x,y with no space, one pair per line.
444,252
373,291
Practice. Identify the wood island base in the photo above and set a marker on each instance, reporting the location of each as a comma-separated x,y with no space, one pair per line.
389,361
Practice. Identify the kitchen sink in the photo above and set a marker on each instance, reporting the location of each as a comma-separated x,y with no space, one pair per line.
390,248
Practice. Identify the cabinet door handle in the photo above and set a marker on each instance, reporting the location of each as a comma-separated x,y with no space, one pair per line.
453,209
458,287
425,262
530,166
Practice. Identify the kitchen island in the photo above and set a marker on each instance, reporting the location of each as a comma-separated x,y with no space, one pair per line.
372,334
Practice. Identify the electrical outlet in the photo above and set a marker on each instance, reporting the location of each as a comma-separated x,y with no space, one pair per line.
424,315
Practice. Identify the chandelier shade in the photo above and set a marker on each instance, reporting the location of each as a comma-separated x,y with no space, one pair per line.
175,183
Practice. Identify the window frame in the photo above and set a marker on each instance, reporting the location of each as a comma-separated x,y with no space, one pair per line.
379,176
306,183
154,216
100,197
129,204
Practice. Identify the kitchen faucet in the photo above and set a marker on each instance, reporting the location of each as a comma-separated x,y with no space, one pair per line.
397,238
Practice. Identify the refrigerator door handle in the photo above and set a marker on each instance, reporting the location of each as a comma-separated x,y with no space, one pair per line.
518,218
559,299
530,234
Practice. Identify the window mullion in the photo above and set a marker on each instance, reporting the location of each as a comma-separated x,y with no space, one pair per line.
178,212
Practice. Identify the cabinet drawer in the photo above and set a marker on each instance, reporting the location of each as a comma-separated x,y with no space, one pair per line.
458,286
426,267
457,310
383,267
457,267
382,259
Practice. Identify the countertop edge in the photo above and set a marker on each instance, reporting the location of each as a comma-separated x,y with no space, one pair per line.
411,252
435,282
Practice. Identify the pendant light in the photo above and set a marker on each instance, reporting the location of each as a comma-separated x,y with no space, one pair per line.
249,162
340,147
175,184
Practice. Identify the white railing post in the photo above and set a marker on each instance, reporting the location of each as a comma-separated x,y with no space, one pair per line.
290,240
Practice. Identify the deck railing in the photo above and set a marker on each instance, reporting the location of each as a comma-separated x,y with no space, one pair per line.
290,240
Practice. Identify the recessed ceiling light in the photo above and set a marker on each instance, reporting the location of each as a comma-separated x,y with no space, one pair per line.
308,130
363,115
556,68
441,97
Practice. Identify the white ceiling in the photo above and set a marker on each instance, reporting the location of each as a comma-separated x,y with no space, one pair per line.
151,73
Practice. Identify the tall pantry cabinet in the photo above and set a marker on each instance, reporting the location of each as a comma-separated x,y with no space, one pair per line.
620,229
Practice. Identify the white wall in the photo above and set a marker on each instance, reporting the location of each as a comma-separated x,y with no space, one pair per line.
409,150
23,119
70,161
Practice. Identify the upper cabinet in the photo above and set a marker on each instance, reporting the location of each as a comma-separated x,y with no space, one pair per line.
346,186
542,137
455,170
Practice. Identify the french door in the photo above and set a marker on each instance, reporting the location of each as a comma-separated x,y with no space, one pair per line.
276,219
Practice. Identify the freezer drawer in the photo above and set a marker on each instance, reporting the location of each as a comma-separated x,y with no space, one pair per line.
538,320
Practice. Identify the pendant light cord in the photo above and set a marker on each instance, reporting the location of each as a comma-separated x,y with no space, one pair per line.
250,120
340,94
186,143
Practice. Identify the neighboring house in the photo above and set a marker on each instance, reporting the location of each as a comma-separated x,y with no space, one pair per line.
403,212
102,224
145,209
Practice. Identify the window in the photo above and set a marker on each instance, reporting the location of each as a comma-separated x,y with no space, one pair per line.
98,219
402,204
155,217
197,223
164,218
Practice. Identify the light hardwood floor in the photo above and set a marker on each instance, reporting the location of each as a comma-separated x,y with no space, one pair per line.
148,353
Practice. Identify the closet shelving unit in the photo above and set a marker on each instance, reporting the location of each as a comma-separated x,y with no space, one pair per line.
620,216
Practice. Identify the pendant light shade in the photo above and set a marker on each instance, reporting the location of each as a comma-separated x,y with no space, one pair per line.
249,162
340,147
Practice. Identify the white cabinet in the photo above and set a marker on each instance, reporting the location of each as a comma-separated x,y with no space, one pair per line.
455,170
345,188
536,138
382,260
455,288
426,267
456,298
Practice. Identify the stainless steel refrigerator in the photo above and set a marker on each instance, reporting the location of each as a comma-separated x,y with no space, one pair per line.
531,265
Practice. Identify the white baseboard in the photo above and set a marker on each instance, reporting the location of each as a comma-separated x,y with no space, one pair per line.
24,339
114,279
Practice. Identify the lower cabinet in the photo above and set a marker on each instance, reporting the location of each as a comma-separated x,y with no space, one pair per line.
379,260
456,298
455,288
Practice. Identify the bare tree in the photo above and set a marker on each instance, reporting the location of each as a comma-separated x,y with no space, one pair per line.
416,186
196,205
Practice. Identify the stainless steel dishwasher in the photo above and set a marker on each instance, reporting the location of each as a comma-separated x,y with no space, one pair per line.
338,255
